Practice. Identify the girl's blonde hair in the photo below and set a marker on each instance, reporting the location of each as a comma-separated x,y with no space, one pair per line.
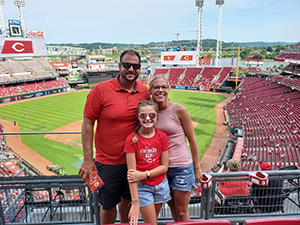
140,105
157,77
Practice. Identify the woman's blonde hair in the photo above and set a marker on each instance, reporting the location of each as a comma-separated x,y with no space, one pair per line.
233,165
157,77
140,105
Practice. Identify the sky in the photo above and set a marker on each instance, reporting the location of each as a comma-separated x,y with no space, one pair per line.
141,21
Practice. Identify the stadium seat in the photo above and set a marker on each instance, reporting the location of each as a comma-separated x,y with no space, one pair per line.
201,222
235,204
274,221
130,224
295,185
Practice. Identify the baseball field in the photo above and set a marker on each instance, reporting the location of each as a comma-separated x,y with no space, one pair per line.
50,113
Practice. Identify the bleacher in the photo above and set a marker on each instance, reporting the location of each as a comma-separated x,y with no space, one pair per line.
32,87
190,74
20,77
21,70
174,74
270,116
295,56
291,53
34,66
160,71
195,76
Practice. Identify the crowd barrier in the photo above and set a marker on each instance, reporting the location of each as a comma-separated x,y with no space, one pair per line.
68,200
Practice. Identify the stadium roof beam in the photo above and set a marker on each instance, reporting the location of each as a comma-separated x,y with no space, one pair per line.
20,4
2,2
219,40
199,4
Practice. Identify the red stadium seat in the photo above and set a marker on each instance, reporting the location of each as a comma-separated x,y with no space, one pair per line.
201,222
274,221
129,224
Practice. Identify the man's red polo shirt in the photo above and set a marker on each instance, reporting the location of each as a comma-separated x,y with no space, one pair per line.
115,112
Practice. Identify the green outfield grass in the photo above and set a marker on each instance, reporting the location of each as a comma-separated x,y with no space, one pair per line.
201,108
48,114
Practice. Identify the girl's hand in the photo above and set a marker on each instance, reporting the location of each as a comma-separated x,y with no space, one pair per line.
134,213
134,175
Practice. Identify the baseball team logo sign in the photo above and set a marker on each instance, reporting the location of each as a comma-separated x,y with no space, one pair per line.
17,47
22,47
186,58
179,58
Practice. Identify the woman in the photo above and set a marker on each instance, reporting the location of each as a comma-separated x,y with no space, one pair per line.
183,170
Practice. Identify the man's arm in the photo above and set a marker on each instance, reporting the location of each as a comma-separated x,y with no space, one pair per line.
87,135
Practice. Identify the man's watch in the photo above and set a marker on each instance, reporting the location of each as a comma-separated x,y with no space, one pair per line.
148,174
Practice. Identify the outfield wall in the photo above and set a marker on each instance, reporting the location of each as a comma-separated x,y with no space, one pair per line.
221,89
8,99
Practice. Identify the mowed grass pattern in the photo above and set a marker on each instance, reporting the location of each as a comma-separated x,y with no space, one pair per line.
201,109
48,114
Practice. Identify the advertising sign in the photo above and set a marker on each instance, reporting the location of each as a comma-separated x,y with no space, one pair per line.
19,46
39,33
15,28
59,64
204,60
22,47
179,58
15,22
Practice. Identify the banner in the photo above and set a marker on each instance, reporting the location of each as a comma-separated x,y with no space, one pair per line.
59,64
179,58
192,88
180,87
22,47
205,60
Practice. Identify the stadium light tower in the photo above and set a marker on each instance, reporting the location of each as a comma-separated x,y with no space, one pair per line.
2,2
20,4
219,40
199,4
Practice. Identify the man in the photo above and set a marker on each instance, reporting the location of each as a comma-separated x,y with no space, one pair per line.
113,104
268,198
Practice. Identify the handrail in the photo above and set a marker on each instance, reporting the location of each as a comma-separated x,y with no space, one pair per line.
25,133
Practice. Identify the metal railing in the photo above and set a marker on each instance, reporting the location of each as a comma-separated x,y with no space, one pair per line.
285,200
68,200
47,200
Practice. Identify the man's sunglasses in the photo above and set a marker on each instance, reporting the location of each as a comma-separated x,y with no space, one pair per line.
144,115
135,66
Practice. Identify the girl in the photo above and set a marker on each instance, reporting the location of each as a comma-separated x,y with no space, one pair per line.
147,159
184,170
